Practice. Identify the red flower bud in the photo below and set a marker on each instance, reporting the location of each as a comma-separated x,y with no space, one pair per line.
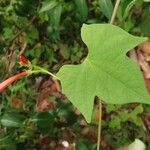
8,81
23,60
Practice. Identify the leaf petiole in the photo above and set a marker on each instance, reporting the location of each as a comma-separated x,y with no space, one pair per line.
37,69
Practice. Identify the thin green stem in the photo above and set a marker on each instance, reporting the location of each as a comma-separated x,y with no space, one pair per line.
115,11
99,125
100,102
37,69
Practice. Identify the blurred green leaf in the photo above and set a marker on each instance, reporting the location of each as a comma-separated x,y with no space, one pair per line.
8,33
106,7
63,48
55,16
115,123
25,7
12,120
134,115
85,145
128,24
76,53
137,110
43,119
17,87
82,8
124,116
126,7
6,143
32,35
48,5
145,21
146,0
81,146
111,107
66,114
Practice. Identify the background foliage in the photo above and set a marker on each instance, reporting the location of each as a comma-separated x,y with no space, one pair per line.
33,113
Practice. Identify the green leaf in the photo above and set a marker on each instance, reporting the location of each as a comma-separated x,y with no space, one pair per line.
7,143
129,4
106,72
43,119
137,110
55,17
12,120
81,146
115,123
65,113
82,8
33,35
106,7
134,115
85,145
110,108
8,33
145,21
48,5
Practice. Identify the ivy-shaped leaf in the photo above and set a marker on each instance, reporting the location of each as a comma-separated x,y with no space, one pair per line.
106,72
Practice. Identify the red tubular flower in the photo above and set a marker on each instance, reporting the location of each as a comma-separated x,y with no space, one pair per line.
23,60
8,81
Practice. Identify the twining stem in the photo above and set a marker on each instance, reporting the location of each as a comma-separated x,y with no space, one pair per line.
99,124
115,11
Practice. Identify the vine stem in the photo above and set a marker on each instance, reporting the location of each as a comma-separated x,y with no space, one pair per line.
100,102
99,125
115,11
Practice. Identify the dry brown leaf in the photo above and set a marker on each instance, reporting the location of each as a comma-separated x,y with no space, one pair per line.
68,135
142,57
43,100
143,64
145,48
45,142
21,39
16,103
56,86
47,88
146,120
85,131
44,105
147,82
105,145
133,55
90,132
63,51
